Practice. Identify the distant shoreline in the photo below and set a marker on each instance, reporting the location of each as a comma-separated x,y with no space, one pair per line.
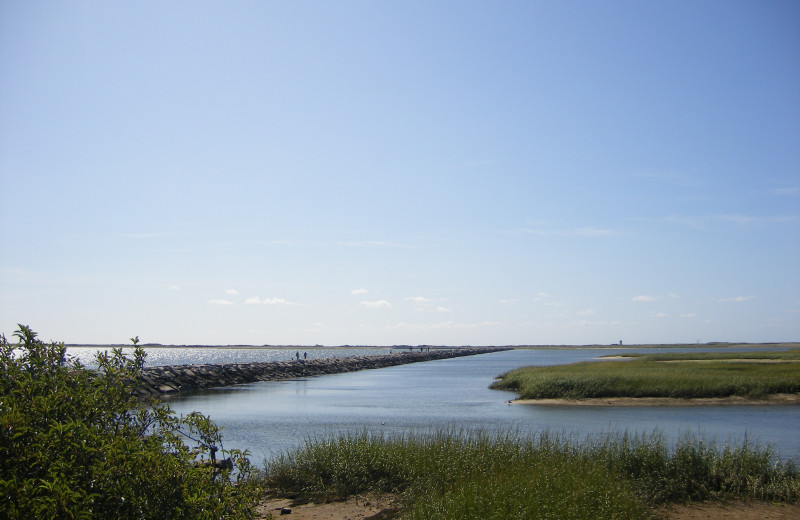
613,346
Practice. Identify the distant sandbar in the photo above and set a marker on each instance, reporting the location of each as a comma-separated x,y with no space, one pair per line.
774,399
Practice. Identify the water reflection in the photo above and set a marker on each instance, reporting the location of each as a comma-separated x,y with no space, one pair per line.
162,356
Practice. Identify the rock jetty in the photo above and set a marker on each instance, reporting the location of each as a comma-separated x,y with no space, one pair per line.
165,381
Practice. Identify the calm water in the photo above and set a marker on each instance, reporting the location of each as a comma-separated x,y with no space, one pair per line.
271,417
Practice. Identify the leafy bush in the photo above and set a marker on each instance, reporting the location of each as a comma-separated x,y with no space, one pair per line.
75,443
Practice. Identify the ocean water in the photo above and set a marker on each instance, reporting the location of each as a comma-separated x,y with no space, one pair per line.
271,417
164,356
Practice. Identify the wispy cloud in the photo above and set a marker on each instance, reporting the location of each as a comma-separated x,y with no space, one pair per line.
232,292
735,299
508,301
443,309
546,300
359,291
687,315
578,232
673,178
443,325
373,243
142,236
736,219
419,299
377,304
787,191
702,222
486,162
255,300
220,302
592,323
649,298
174,288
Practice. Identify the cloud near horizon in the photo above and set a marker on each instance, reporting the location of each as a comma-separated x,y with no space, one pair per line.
377,304
220,302
359,291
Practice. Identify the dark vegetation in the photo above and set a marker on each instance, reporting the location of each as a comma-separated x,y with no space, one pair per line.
74,443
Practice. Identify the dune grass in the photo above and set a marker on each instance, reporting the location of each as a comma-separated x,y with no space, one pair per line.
691,375
460,475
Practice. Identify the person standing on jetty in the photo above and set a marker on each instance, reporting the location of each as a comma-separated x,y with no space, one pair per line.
297,355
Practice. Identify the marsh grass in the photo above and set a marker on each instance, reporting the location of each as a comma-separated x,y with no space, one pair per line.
752,375
784,355
462,475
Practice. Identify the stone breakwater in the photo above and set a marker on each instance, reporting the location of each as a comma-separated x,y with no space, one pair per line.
165,381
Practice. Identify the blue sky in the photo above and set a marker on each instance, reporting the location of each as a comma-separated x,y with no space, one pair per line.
400,172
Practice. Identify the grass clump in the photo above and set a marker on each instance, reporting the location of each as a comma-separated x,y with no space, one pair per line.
75,443
460,475
751,375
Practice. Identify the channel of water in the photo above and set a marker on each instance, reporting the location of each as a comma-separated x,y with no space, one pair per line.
271,417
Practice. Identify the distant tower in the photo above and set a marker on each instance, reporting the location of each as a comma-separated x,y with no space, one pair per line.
620,343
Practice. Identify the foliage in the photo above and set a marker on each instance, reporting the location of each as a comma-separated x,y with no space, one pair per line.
463,475
751,375
75,443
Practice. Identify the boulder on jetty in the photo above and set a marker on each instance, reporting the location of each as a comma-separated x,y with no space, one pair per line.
165,381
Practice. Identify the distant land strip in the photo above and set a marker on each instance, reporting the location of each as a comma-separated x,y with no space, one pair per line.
167,381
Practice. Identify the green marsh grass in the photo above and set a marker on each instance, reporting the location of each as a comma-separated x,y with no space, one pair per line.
463,475
751,375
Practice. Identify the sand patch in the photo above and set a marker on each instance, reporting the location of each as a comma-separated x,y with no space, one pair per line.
729,511
775,399
366,507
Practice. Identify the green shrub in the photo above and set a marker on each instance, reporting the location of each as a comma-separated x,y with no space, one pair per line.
75,443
